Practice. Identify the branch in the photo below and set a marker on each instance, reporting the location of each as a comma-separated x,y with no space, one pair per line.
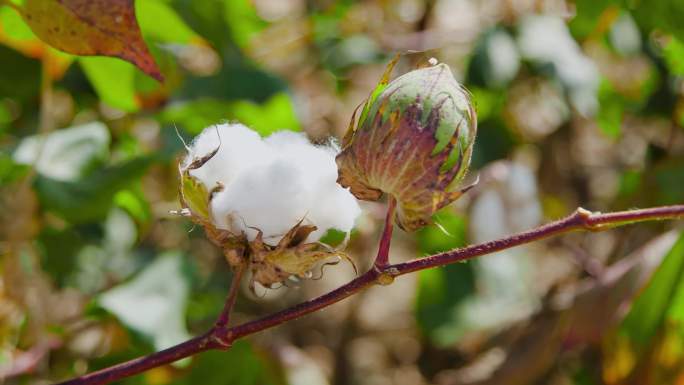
221,338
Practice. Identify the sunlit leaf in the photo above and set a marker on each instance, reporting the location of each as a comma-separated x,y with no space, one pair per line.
113,81
243,21
611,110
674,56
650,309
159,21
135,204
276,114
15,33
82,27
66,154
153,302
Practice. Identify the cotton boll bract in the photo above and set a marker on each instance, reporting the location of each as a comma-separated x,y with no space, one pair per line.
268,201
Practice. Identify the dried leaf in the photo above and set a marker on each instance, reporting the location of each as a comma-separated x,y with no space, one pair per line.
89,28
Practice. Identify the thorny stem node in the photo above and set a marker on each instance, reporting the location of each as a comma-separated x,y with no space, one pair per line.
221,338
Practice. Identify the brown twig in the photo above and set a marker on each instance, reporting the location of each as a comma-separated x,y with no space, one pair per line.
217,338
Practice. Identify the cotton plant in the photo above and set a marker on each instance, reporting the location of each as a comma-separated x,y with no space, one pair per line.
267,202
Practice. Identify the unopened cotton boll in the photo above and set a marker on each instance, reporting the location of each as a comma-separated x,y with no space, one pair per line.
271,184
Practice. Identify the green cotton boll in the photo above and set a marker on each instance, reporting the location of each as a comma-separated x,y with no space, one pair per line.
413,140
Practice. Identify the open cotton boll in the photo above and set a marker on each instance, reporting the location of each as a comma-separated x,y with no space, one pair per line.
269,197
238,148
271,184
336,209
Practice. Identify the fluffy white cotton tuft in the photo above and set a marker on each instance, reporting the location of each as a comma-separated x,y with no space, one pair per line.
273,183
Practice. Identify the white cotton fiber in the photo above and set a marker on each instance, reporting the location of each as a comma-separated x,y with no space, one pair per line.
273,183
239,148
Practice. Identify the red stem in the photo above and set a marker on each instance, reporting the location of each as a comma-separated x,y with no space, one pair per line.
220,338
382,258
141,364
224,317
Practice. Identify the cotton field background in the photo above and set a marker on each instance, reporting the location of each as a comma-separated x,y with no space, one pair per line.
579,103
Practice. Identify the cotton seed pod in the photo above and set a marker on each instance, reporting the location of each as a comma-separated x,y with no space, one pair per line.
413,141
267,202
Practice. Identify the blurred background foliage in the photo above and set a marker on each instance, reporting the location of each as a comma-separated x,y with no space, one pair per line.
579,103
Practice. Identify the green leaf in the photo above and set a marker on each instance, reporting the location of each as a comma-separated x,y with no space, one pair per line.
447,233
669,182
159,21
10,171
587,15
20,76
664,15
674,56
243,21
653,306
135,205
89,199
242,364
153,302
12,25
113,80
66,154
333,237
276,114
611,110
442,291
91,28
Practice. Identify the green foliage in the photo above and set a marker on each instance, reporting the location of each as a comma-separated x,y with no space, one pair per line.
442,291
611,111
276,113
247,366
113,81
160,22
92,259
153,303
243,21
660,301
66,154
90,198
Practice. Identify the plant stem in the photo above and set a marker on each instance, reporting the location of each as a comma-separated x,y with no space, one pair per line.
382,258
224,317
139,365
218,338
